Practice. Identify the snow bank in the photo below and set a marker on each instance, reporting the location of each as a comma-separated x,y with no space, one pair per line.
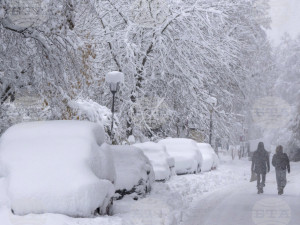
4,201
160,160
134,173
185,153
171,202
7,218
210,159
56,167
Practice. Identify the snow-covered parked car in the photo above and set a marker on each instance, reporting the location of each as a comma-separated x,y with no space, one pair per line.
210,159
57,167
161,161
185,153
134,173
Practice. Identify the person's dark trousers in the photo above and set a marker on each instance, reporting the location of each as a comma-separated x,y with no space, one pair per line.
261,179
280,178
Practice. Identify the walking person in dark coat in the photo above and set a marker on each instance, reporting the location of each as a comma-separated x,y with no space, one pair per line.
281,163
260,166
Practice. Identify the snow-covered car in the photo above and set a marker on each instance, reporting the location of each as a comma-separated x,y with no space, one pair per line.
160,160
210,159
57,167
185,153
134,173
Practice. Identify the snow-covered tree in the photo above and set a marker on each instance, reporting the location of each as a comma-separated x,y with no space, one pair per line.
40,58
288,87
175,55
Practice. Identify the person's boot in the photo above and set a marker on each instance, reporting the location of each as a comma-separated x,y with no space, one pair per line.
259,190
280,191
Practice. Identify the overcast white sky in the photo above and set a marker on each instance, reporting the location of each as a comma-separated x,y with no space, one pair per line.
286,18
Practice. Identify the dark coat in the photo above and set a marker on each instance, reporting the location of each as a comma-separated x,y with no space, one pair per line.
260,162
281,161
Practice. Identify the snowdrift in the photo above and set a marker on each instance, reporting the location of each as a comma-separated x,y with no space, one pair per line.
134,173
210,159
56,167
160,160
185,153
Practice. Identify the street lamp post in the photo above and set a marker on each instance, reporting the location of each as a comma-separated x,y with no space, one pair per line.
114,79
212,101
210,124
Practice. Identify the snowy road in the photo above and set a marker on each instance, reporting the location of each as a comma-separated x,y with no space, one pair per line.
220,197
240,204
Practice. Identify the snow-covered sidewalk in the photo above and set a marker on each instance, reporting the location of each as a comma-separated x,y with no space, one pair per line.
167,204
240,204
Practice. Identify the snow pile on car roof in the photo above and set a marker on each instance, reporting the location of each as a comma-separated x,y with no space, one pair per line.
210,159
134,173
55,167
185,153
160,160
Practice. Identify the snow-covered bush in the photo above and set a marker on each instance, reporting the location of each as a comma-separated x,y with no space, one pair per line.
210,159
134,173
56,167
160,160
185,153
87,109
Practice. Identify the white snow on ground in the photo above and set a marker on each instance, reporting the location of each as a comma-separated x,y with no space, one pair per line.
55,167
160,160
240,204
187,199
164,205
167,201
4,201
